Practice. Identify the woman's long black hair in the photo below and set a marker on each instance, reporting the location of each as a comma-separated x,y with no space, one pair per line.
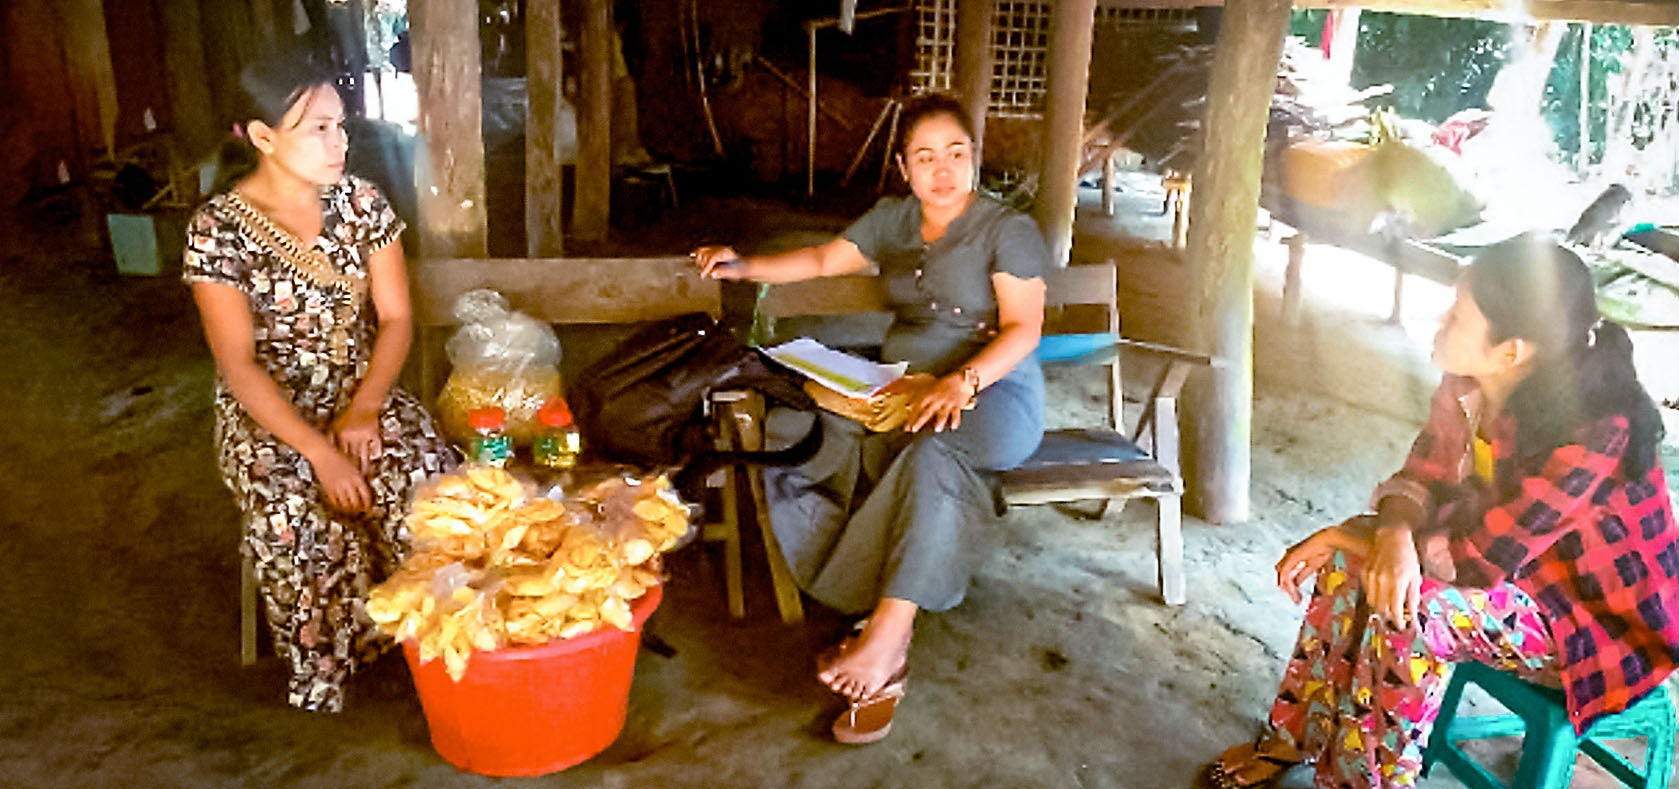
1531,288
268,88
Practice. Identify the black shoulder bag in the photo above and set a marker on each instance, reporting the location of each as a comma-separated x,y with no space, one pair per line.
645,403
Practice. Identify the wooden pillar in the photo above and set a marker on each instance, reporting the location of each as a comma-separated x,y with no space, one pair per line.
592,206
544,179
1071,29
450,171
196,132
1219,406
972,79
263,27
93,83
229,44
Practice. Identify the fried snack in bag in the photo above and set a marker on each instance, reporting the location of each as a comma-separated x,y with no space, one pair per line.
499,357
496,566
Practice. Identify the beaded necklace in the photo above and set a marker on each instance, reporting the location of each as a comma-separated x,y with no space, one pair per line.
312,265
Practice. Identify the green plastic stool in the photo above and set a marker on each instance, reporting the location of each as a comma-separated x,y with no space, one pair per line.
1549,742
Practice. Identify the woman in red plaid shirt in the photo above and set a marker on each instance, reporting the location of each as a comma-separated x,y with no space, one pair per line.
1529,529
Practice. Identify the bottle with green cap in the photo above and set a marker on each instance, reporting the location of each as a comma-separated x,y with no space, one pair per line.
490,443
558,443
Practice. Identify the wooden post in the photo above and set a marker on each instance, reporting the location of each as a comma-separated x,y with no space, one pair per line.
93,84
1221,237
810,130
1072,28
1291,277
266,36
1109,171
544,180
450,172
592,205
189,92
972,79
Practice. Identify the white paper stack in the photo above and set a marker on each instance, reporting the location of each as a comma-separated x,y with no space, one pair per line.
842,372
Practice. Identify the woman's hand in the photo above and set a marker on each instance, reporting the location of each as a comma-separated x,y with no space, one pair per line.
1305,558
341,482
940,404
1435,551
717,262
1393,576
356,434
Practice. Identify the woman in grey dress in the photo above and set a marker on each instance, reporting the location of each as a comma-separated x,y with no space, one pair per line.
891,523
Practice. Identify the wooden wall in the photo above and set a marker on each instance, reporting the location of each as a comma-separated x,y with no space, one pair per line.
83,75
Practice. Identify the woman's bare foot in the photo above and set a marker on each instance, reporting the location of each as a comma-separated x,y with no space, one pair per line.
866,662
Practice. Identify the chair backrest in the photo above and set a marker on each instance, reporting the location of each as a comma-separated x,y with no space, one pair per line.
560,291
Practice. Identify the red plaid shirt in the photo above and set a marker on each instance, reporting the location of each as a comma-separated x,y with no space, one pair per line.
1598,552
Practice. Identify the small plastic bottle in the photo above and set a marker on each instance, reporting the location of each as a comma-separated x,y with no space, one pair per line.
490,444
559,443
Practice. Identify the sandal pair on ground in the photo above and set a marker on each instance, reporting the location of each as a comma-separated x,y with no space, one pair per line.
868,718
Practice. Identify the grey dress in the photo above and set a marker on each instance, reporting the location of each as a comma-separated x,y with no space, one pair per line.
908,516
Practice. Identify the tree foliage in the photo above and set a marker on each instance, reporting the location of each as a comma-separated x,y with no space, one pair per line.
1438,66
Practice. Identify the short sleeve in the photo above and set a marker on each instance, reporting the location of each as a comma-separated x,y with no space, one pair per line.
873,230
381,224
1020,248
213,252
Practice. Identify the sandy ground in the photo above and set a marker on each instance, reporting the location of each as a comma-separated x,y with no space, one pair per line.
119,577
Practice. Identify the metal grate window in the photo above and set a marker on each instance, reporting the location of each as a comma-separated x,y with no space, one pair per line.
1019,48
1020,39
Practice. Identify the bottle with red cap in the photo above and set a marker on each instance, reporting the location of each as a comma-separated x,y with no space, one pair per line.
558,444
490,443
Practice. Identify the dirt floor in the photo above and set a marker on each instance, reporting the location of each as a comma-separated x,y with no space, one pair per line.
119,574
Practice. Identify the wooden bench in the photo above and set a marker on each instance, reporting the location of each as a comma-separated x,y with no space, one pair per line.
1100,463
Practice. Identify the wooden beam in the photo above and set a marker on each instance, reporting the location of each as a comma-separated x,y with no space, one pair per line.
1071,30
544,181
567,290
592,206
972,79
1220,254
450,173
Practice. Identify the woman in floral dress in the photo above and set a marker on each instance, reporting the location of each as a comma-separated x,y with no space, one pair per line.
299,278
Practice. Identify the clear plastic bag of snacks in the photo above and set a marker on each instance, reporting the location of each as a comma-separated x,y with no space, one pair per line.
499,357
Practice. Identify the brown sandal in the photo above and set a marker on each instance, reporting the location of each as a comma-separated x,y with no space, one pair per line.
1222,775
870,719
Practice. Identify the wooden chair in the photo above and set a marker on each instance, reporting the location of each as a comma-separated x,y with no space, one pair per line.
1101,463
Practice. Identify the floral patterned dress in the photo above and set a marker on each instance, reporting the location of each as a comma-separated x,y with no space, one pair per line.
314,328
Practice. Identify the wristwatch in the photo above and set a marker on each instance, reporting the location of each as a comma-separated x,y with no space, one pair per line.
970,376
